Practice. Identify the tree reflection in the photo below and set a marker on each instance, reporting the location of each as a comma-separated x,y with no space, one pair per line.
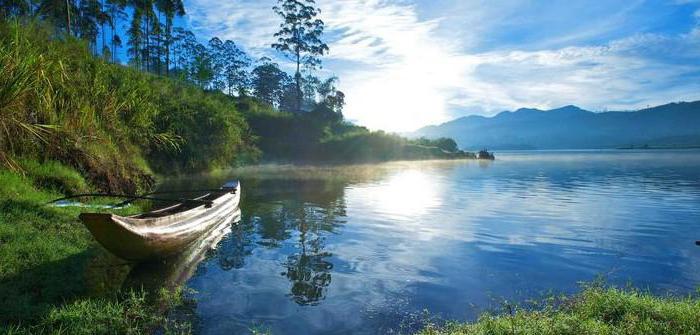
279,214
239,245
308,269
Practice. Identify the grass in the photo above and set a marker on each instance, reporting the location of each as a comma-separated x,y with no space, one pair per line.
60,103
47,282
597,310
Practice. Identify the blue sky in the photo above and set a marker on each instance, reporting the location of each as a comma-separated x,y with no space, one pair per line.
405,64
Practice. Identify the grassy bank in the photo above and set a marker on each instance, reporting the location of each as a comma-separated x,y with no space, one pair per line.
49,281
596,311
113,124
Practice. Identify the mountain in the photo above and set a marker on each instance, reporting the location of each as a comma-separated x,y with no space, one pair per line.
570,127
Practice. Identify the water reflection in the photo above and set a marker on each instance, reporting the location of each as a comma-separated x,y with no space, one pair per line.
298,213
333,255
107,273
405,195
232,255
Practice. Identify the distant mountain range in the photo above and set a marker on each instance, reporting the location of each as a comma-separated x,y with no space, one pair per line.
570,127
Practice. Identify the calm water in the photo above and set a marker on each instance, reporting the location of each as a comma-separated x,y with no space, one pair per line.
366,250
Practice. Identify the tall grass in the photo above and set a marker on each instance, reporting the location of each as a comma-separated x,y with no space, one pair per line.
59,102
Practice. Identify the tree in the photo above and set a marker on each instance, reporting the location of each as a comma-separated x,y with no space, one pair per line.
135,41
288,95
58,13
309,86
234,71
202,69
88,20
9,8
170,8
331,98
218,63
299,37
116,13
267,81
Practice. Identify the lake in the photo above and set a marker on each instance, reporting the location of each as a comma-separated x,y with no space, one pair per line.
370,249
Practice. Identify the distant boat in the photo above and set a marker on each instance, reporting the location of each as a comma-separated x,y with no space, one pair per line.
164,232
484,154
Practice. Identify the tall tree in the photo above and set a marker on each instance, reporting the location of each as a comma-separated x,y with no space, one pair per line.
170,8
299,37
87,22
202,69
9,8
143,22
267,81
218,62
235,74
116,14
135,40
59,13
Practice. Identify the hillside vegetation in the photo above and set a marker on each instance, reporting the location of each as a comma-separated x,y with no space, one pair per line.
114,124
117,125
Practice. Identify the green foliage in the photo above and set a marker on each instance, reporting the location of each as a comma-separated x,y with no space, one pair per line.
52,175
45,274
268,81
60,103
443,143
299,38
215,134
595,311
322,136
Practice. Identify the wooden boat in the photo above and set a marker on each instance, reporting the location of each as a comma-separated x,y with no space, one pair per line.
175,270
167,231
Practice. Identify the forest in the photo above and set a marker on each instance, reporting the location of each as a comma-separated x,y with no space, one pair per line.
173,105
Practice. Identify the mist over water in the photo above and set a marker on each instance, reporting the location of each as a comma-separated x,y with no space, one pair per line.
367,249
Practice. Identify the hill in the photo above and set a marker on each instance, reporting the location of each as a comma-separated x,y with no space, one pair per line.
570,127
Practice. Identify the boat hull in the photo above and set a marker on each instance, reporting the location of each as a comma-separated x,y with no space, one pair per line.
149,238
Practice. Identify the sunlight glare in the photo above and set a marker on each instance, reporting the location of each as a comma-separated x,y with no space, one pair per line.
406,195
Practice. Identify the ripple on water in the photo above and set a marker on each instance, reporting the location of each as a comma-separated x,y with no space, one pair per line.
454,238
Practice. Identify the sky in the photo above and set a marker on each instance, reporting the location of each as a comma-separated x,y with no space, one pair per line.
406,64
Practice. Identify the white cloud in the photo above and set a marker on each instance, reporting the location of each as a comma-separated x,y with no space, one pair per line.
401,71
252,23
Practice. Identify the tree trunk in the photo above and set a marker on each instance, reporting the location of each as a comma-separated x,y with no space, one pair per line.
113,23
68,17
298,79
147,44
102,20
158,49
168,39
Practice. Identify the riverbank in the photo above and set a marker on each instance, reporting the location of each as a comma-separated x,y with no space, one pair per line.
49,282
596,311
